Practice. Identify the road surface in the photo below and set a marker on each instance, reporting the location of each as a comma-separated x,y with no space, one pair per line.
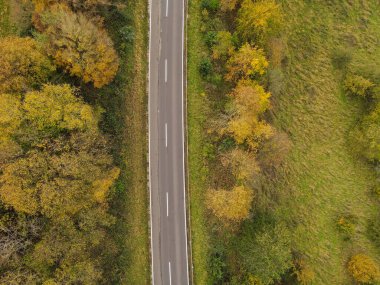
166,144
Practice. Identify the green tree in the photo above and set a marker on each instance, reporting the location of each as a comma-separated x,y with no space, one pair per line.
266,252
23,65
246,63
79,46
366,135
257,18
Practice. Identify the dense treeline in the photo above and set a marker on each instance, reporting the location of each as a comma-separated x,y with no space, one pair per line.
248,248
249,244
56,167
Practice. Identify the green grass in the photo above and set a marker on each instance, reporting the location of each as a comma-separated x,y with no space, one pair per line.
322,179
138,269
125,102
197,108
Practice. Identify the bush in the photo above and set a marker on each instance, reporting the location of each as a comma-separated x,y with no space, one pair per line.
210,39
127,34
265,252
346,226
364,269
210,5
341,58
205,67
366,136
303,273
357,85
373,231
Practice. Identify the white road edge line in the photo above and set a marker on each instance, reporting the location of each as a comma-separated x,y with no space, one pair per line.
183,140
167,204
166,70
166,134
170,274
167,8
149,145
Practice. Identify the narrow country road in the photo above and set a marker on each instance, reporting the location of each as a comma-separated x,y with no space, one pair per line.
166,144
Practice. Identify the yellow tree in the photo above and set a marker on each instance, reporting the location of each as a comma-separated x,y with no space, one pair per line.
255,18
23,65
10,120
228,5
249,102
246,63
364,269
57,107
230,205
10,114
79,46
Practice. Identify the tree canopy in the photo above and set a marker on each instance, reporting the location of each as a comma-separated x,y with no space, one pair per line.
231,205
246,125
246,63
255,18
79,46
23,65
56,166
266,252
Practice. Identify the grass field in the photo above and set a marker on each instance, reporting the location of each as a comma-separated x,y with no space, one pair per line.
197,106
322,179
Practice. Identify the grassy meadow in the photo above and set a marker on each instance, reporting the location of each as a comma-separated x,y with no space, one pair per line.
322,179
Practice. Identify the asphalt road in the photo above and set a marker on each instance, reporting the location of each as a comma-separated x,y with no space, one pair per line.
166,144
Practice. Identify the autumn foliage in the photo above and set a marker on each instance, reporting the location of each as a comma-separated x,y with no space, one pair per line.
364,269
246,63
232,205
249,102
23,64
79,46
